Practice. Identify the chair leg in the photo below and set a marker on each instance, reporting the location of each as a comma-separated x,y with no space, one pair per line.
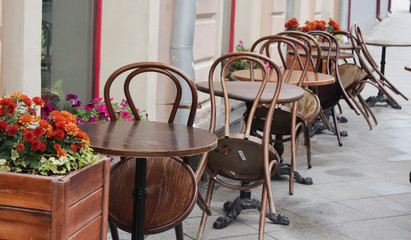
179,232
113,231
263,212
368,109
308,145
203,221
360,106
337,131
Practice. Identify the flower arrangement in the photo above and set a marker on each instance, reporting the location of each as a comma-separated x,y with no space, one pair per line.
240,64
96,110
33,145
331,26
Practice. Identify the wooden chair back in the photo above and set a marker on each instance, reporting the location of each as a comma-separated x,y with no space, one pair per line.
239,155
171,183
287,48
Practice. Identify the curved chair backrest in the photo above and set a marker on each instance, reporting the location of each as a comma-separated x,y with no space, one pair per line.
226,159
331,94
171,72
311,43
285,47
171,183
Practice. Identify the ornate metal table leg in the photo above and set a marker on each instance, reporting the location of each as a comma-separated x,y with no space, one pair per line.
139,195
244,202
371,101
319,126
284,168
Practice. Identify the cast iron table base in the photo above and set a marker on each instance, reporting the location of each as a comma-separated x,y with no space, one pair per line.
380,98
243,202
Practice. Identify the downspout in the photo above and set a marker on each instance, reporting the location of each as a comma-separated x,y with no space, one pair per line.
181,48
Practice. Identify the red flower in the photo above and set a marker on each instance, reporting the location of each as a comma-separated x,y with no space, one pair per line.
58,134
11,108
3,125
38,145
61,153
2,112
12,130
26,119
20,147
28,136
61,125
38,132
26,100
38,101
73,148
57,146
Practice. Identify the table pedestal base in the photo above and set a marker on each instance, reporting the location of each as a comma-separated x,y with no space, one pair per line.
380,98
319,126
244,202
284,169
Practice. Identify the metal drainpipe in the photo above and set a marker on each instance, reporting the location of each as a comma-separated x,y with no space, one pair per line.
181,48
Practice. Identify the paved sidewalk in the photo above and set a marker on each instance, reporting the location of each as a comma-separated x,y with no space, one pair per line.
361,190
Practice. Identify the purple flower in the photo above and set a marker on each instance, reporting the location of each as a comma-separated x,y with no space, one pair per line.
47,109
76,103
89,107
71,97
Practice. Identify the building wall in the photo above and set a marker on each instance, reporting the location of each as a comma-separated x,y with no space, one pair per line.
130,31
20,66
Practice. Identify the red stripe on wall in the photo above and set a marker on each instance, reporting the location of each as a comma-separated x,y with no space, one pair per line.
97,60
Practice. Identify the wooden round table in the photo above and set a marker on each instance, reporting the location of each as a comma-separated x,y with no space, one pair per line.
246,91
311,79
142,139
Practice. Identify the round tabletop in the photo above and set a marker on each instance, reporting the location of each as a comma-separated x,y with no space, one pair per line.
148,139
311,78
247,91
386,43
408,68
341,46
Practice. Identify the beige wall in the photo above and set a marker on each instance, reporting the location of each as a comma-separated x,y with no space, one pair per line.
130,30
21,46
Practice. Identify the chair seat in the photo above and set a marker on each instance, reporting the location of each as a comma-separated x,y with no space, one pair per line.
349,73
166,178
240,159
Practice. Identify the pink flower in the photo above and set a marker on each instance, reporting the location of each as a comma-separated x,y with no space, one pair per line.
89,107
96,100
241,42
126,116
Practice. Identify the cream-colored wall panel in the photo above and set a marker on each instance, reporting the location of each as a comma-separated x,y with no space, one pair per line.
279,5
21,47
205,37
207,7
278,23
130,34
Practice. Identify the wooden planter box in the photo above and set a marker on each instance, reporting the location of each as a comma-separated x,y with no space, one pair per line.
74,206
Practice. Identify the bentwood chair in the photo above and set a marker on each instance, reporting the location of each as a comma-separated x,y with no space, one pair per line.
352,78
291,119
240,156
171,183
370,67
331,94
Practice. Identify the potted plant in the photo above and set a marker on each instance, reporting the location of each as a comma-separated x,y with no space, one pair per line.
52,186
